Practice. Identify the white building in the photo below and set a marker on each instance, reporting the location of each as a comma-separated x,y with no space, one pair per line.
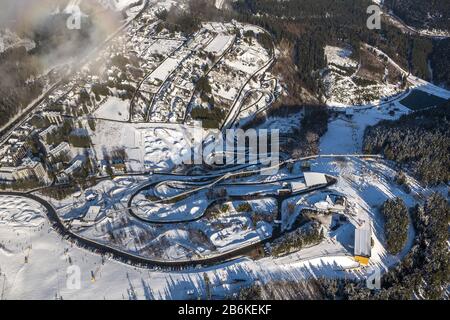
62,178
6,174
62,148
53,117
363,245
74,167
297,186
315,179
29,169
43,134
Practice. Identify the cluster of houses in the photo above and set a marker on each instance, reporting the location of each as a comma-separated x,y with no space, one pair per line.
28,169
18,164
180,72
16,161
16,147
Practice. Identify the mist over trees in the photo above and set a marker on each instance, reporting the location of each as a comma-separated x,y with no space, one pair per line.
19,84
54,43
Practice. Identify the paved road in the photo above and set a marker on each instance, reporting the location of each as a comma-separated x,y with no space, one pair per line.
129,258
236,106
126,257
411,30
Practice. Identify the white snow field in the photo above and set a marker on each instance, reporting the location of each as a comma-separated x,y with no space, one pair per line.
37,263
114,109
50,258
340,56
19,212
345,134
165,147
186,209
148,146
34,260
366,184
163,71
219,44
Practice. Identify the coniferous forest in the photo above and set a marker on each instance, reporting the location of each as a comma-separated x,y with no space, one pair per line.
395,214
304,27
422,14
423,274
419,141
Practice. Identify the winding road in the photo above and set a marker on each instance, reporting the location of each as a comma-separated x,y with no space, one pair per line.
127,257
152,263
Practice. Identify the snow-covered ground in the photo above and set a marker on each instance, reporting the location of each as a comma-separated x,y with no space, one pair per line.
43,274
18,212
114,109
283,124
35,262
345,134
344,85
186,209
219,44
50,258
148,146
112,135
367,184
168,146
163,71
340,56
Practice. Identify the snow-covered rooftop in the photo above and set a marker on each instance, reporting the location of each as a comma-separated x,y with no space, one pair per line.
362,242
315,179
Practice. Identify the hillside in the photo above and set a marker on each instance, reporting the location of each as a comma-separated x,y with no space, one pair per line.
420,141
422,14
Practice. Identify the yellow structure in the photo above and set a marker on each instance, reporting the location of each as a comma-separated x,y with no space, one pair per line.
362,260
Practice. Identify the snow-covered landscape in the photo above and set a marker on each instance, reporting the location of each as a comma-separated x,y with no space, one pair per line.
119,176
364,183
